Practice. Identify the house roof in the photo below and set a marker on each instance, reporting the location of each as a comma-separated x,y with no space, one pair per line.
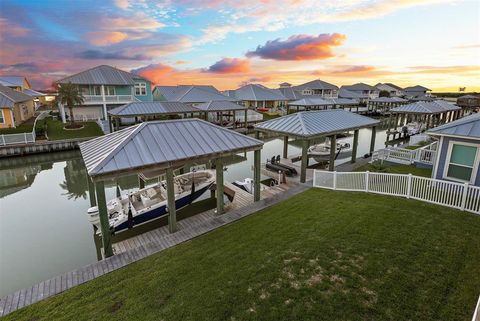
191,93
425,107
310,124
393,86
217,105
290,93
468,126
317,101
8,97
161,144
417,88
255,92
101,75
33,93
345,93
469,97
11,81
316,84
389,85
389,100
359,87
152,108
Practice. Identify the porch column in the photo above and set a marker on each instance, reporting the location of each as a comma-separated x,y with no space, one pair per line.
285,146
91,192
172,211
103,214
62,114
219,184
246,114
141,182
256,175
333,152
105,115
303,167
221,118
355,145
372,140
110,125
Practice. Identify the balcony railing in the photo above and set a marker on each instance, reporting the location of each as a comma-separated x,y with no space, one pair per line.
93,99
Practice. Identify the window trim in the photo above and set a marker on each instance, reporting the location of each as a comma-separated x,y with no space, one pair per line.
3,116
109,87
447,162
140,86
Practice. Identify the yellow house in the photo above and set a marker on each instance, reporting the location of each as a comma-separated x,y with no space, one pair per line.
15,107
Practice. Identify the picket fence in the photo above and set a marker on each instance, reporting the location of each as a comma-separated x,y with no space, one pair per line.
464,197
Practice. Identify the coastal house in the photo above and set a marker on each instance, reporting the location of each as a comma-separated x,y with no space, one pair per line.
189,94
318,88
417,92
20,83
471,102
105,87
361,91
458,152
258,97
393,90
15,107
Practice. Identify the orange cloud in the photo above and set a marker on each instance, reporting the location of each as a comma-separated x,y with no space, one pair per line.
182,62
230,66
104,38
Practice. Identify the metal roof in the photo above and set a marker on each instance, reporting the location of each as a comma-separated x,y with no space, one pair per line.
416,88
389,100
8,97
160,144
217,105
469,97
310,124
101,75
152,108
290,93
316,84
425,107
10,81
32,93
255,92
318,101
360,87
191,93
468,126
345,93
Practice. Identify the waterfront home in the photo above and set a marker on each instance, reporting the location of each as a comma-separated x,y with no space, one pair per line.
469,101
189,94
362,91
317,88
417,92
258,97
105,87
392,89
20,83
458,153
15,107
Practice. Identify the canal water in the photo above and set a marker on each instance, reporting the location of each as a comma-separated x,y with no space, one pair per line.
43,200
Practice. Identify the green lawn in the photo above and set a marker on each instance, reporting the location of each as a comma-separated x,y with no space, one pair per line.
55,130
396,169
321,255
22,128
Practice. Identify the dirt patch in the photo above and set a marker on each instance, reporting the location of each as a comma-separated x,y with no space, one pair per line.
115,307
315,279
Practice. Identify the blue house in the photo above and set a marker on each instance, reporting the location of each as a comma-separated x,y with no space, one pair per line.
105,87
458,154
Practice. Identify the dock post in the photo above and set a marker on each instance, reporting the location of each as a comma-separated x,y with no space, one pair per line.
303,167
110,125
285,146
219,184
172,211
246,114
372,140
141,182
354,147
91,192
333,152
104,223
256,175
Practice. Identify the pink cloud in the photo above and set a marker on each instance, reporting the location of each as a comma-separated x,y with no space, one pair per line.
104,38
230,66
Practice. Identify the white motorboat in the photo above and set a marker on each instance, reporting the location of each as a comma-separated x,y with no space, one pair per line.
246,184
414,128
321,152
151,202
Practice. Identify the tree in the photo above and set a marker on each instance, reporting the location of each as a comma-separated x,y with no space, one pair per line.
70,95
384,93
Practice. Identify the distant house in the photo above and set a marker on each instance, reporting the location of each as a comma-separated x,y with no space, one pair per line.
258,96
458,154
363,92
417,91
20,83
317,88
392,89
189,94
469,101
15,107
105,87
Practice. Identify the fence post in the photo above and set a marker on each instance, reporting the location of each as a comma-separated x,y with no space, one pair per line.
366,180
334,180
409,185
464,196
314,178
25,137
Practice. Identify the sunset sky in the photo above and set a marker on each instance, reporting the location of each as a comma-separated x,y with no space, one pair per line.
433,43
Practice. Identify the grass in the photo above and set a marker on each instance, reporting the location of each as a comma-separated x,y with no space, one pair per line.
395,169
55,130
268,116
22,128
321,255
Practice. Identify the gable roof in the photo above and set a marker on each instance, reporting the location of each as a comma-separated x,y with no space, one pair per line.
468,126
389,85
417,88
290,94
8,97
157,144
11,81
359,87
311,124
152,108
255,92
316,84
101,75
191,93
217,105
33,93
345,93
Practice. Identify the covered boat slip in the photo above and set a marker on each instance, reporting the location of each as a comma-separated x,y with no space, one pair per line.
318,103
160,147
224,113
310,125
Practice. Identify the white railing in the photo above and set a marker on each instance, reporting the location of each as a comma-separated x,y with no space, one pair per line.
22,138
94,99
415,139
425,155
464,197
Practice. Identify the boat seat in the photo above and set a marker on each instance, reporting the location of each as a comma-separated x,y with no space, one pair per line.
177,188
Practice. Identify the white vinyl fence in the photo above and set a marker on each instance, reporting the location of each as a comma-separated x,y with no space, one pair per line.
464,197
22,138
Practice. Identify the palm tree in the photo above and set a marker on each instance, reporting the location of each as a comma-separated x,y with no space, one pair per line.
70,95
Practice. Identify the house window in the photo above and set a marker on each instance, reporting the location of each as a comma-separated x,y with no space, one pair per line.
2,117
140,89
110,90
97,90
461,162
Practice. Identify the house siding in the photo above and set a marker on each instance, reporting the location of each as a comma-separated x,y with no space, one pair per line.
7,118
148,96
442,157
